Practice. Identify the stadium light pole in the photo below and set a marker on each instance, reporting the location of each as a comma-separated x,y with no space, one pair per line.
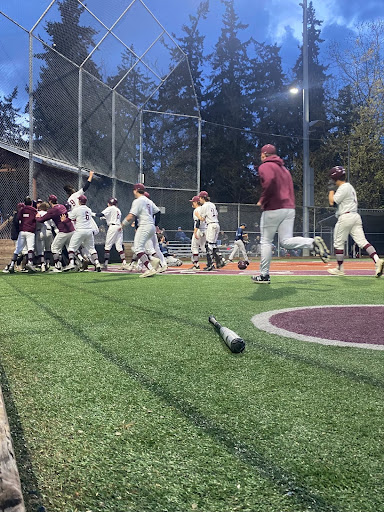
306,124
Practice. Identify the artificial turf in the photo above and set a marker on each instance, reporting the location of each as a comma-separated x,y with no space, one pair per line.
122,397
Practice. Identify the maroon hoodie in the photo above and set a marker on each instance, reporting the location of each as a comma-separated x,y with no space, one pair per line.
27,218
277,184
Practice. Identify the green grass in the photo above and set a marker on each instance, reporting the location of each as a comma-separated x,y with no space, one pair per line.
121,397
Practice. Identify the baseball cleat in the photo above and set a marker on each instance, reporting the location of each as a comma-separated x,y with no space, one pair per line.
261,279
162,268
336,272
148,273
31,267
71,266
321,249
98,267
379,266
124,266
209,268
54,269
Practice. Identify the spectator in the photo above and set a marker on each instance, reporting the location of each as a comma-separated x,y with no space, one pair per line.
180,236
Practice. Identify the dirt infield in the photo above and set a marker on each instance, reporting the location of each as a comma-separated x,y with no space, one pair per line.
294,267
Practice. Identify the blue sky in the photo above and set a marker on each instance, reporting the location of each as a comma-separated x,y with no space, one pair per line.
272,21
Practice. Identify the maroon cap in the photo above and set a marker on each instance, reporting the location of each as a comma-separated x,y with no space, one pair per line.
52,198
112,201
82,199
203,193
195,199
139,186
269,149
147,194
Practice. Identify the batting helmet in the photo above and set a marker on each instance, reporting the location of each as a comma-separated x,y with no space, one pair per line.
337,173
82,199
242,265
52,199
113,201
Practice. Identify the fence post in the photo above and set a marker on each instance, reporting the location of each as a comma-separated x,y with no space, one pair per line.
113,143
198,178
80,128
30,110
141,177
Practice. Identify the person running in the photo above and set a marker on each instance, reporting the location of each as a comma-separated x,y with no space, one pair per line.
278,204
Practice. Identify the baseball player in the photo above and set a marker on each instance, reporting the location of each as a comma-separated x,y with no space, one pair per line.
83,235
239,244
278,204
349,221
142,209
43,237
208,214
26,215
73,196
112,215
199,238
152,246
65,229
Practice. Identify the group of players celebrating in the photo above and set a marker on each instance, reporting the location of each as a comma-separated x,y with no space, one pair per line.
48,228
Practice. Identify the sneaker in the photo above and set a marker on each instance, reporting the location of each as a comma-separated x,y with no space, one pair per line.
321,249
162,268
71,266
262,279
155,262
209,268
11,269
195,266
379,266
98,267
148,273
229,261
6,270
336,272
31,267
124,266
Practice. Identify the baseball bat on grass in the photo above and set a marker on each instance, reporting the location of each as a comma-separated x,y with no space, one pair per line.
230,338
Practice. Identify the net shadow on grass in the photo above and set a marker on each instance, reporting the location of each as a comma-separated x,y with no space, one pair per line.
286,484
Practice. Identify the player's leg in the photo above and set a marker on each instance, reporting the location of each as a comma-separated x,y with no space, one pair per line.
88,242
151,253
76,240
234,251
20,243
220,261
143,233
340,235
195,245
358,235
269,222
118,241
109,241
39,250
30,241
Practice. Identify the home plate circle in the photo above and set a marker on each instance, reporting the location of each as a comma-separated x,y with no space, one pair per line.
344,326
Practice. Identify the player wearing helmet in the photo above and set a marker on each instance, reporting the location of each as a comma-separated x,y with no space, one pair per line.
208,214
199,233
349,221
239,246
278,204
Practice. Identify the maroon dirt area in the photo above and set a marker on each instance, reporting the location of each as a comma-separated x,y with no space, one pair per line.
362,324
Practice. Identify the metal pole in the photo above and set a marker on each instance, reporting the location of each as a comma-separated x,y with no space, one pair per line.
80,129
113,144
141,148
30,110
198,177
306,180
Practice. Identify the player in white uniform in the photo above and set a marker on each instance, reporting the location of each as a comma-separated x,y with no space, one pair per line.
349,221
112,215
83,235
152,246
208,214
199,233
73,196
142,209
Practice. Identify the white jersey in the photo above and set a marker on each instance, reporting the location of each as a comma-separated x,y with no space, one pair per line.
209,212
144,209
346,199
112,215
73,200
82,215
203,225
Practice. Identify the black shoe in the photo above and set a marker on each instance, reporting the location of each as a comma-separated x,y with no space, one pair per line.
262,279
11,269
209,268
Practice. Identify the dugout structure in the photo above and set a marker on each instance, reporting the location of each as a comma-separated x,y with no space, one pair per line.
95,85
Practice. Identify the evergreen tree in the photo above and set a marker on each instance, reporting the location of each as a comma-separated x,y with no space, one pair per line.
12,130
227,152
56,93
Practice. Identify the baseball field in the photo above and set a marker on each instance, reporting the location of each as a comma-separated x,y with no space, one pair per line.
122,397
